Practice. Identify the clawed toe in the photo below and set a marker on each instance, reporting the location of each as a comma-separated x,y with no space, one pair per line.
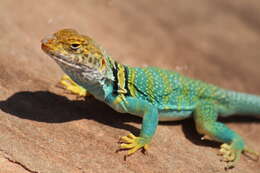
230,155
133,143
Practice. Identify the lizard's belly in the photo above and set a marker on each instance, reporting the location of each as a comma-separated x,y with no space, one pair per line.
174,115
166,112
171,116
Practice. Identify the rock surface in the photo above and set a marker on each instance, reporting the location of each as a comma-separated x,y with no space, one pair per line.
45,130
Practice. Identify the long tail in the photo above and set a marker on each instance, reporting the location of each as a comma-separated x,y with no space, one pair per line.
244,103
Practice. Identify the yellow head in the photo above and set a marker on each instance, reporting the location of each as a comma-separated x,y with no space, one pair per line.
69,48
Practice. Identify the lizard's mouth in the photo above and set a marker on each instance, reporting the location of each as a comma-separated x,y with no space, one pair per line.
57,56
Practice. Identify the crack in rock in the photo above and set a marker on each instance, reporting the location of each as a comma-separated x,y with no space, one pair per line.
8,157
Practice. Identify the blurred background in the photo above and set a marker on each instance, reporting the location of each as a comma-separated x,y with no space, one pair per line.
215,41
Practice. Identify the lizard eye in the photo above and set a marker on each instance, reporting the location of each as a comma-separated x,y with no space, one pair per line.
75,46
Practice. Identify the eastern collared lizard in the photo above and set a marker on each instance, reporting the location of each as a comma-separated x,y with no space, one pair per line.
152,93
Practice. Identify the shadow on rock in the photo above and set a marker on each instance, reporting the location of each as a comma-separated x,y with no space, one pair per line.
44,106
48,107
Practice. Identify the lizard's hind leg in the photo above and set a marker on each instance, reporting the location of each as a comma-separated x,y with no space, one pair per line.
205,117
73,87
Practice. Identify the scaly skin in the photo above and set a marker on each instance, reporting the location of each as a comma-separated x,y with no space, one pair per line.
152,93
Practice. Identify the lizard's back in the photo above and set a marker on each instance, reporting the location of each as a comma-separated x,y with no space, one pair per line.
168,91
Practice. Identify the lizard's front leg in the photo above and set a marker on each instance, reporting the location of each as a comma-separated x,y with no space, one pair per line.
149,124
73,87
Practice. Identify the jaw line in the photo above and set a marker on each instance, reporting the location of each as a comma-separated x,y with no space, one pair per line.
61,59
81,68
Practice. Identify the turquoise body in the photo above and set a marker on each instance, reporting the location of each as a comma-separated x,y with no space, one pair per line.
152,93
156,94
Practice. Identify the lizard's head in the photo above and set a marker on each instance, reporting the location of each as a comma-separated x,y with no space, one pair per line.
74,51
